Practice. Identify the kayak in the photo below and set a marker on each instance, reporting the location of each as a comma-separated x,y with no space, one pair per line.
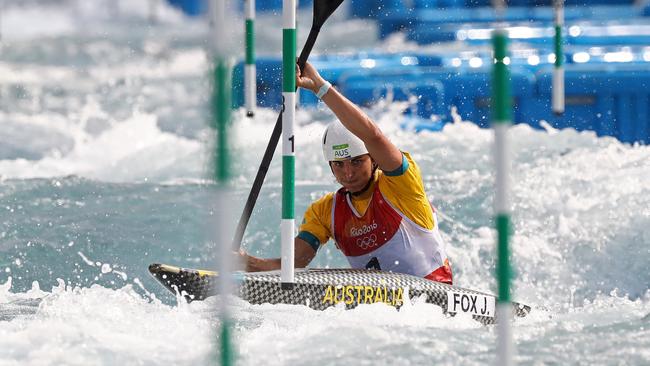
320,289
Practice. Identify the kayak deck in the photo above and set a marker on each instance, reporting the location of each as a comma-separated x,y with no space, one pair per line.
322,288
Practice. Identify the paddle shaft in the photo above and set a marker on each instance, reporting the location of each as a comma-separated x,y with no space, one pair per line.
270,149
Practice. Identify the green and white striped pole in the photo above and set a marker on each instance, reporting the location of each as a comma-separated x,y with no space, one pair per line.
250,74
288,153
558,70
221,171
501,122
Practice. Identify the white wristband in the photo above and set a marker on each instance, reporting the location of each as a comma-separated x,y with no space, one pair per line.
323,89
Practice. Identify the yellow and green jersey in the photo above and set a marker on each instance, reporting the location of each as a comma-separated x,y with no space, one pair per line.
391,226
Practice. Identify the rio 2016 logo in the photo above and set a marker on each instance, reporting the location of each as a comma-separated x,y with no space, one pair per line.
365,229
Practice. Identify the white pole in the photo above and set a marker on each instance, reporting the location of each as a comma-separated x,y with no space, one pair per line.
250,73
558,69
288,153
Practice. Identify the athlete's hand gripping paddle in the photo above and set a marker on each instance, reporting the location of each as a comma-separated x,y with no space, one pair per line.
322,10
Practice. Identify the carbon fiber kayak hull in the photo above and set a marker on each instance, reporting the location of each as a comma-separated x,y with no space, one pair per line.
323,288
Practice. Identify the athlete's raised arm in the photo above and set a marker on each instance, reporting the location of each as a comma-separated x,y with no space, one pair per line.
385,154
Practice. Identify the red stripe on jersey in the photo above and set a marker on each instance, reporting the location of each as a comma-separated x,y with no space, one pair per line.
355,235
442,274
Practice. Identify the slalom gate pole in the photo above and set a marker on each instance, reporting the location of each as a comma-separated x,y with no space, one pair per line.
558,69
288,153
221,171
250,73
322,10
501,109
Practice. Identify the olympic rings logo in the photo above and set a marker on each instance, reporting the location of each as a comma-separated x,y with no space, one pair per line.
367,242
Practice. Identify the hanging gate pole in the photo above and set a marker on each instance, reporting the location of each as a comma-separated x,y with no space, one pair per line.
558,69
250,73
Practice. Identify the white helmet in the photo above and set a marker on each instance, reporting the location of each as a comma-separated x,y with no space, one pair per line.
340,144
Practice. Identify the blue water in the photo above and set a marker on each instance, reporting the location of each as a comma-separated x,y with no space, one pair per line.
103,161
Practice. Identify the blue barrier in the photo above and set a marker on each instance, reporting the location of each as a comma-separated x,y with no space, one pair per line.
571,3
365,7
429,20
534,59
198,7
612,100
608,55
639,40
190,7
540,36
426,95
269,73
373,8
273,5
265,5
395,21
606,87
368,8
432,4
466,89
377,8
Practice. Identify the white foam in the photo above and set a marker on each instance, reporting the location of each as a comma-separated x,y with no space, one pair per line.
97,319
43,21
131,150
24,21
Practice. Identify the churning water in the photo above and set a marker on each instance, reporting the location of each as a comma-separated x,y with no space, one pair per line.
103,156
